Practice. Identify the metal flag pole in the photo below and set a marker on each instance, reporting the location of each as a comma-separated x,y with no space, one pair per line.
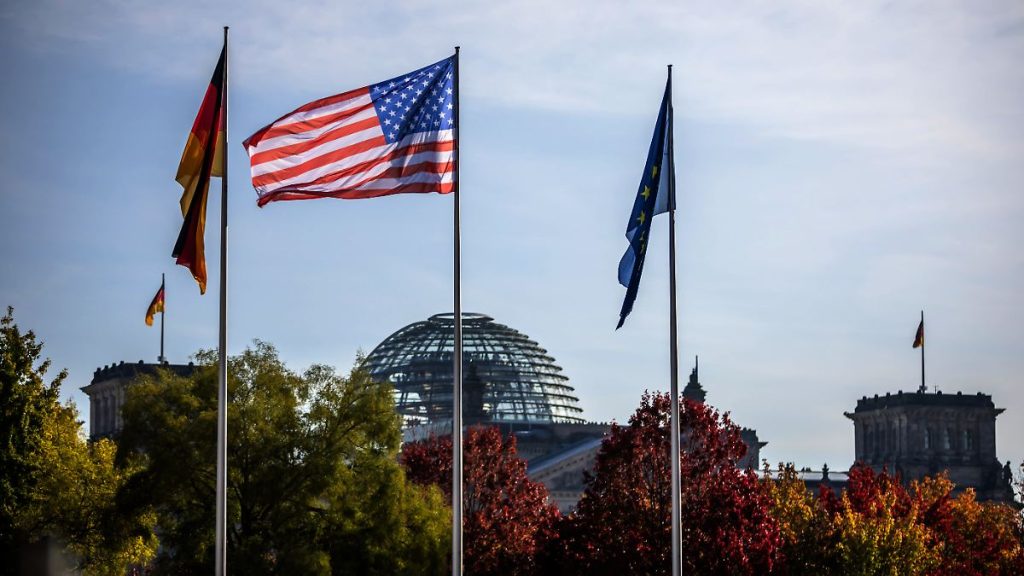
457,359
673,343
222,343
923,387
163,312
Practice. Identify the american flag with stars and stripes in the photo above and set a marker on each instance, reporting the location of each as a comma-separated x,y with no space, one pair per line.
393,137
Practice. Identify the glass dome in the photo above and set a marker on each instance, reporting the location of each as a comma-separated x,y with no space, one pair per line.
506,376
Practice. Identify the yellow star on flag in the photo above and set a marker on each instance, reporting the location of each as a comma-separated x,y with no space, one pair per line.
646,192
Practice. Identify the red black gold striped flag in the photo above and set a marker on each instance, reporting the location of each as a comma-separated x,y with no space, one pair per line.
919,337
201,159
156,306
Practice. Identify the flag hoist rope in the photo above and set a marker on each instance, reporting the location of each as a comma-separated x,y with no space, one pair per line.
222,342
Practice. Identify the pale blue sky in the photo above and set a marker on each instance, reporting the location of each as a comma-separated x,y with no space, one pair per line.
839,169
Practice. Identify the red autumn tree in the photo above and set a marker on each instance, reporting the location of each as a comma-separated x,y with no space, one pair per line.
866,490
880,526
973,538
506,515
875,528
622,524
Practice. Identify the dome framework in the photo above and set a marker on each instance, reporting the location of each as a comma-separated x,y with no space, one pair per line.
507,377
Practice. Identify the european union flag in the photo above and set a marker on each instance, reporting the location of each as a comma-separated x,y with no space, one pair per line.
653,197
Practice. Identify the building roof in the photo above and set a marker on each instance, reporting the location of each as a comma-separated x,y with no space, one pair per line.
915,399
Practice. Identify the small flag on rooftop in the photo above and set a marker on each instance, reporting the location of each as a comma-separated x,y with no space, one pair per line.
156,306
396,136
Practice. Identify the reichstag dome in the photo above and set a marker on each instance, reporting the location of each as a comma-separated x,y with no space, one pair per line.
507,377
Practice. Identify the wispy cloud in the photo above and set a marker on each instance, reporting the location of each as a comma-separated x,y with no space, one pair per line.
910,77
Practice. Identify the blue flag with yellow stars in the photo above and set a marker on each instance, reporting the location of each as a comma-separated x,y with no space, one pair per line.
653,197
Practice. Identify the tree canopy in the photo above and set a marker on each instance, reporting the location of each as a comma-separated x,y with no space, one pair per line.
318,485
623,522
878,525
314,485
507,519
27,400
52,482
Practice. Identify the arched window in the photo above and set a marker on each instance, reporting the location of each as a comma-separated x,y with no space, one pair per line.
947,438
968,440
927,438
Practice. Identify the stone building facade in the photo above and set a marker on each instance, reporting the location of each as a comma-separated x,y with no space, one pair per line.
107,391
921,434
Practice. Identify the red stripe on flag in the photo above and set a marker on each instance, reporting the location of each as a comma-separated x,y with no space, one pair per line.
339,118
300,147
391,158
413,188
261,133
327,101
407,171
209,106
323,185
316,162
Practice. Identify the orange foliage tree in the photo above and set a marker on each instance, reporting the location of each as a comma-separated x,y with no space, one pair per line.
879,526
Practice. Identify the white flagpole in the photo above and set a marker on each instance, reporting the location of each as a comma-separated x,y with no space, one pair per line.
222,372
457,361
677,558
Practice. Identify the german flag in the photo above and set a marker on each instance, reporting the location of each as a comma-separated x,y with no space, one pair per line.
201,159
919,337
156,306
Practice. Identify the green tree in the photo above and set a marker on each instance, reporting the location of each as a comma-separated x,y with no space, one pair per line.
74,500
313,482
53,482
26,401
